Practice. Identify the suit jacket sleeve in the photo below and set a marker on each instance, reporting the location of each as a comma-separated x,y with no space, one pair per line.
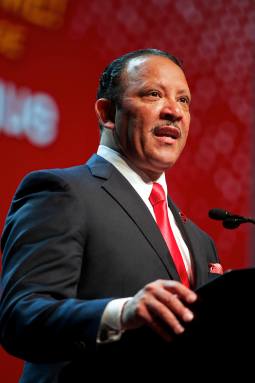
43,244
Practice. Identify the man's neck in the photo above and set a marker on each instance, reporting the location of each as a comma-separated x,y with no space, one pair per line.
147,176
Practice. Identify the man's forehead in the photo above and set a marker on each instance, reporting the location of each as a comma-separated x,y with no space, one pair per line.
136,63
150,64
144,68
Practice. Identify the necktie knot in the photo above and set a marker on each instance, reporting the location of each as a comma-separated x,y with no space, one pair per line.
157,194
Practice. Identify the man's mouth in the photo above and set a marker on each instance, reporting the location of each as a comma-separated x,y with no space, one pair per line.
167,131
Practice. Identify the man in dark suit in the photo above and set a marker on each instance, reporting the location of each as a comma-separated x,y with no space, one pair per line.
87,271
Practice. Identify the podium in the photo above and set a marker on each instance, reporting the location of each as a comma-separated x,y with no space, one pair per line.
219,342
223,331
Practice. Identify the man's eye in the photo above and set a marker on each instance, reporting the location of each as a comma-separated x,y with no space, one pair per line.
185,100
154,93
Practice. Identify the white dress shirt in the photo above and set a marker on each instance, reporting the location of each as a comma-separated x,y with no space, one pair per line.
143,186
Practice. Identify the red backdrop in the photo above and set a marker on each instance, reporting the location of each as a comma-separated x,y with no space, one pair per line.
51,55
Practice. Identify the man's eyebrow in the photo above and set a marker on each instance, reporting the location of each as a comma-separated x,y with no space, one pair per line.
184,91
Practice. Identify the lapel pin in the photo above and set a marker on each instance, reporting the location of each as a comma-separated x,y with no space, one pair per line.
183,217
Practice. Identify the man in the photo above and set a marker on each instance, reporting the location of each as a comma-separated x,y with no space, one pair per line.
87,271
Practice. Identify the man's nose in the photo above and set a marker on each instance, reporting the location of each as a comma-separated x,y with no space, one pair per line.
171,111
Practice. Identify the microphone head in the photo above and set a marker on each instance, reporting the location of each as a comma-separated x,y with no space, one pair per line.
231,223
218,214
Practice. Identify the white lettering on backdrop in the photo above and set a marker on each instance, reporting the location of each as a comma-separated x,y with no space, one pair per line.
24,113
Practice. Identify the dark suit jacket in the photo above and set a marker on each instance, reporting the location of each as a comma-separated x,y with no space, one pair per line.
74,239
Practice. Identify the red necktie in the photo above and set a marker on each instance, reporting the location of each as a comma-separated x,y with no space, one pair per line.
158,200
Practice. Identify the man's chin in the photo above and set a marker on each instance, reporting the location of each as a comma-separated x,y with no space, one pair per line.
157,168
163,163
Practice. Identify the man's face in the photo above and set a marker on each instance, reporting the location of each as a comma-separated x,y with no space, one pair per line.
152,120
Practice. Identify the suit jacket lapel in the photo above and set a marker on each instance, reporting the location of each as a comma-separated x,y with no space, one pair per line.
121,190
198,259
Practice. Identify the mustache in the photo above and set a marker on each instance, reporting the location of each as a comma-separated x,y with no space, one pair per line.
168,123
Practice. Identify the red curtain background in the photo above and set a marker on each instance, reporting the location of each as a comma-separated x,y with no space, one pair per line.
51,55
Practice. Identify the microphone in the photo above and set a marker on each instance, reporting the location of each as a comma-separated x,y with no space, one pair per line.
229,220
218,214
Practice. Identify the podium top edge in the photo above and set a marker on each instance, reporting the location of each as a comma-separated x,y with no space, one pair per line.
230,279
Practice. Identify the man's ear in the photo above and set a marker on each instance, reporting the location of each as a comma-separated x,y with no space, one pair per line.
105,110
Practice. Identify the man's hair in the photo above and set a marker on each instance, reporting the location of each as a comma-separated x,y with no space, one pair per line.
110,84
